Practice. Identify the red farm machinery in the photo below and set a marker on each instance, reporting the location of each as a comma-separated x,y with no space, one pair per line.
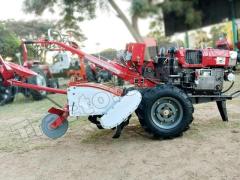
33,56
164,90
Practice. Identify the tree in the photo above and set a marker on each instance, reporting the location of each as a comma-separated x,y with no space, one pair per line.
9,43
185,8
28,29
71,12
37,28
74,11
216,32
157,32
108,53
201,39
138,9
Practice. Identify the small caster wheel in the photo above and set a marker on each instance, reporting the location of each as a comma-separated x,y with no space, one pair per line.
51,132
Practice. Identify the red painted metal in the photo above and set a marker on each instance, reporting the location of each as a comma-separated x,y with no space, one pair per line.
114,90
138,51
82,69
24,52
129,74
6,71
56,111
132,71
224,44
62,113
36,87
21,71
209,58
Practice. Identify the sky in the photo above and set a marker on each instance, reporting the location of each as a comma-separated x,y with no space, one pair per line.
105,31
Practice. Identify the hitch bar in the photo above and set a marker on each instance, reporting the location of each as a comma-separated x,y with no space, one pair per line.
36,87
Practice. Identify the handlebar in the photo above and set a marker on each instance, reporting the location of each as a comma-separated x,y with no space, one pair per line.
52,32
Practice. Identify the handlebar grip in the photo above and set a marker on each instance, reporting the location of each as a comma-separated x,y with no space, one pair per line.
28,42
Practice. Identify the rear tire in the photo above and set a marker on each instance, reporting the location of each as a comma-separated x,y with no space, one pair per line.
53,83
7,95
140,111
166,110
89,73
40,80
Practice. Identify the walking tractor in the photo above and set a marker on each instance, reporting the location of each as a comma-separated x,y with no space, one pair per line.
164,90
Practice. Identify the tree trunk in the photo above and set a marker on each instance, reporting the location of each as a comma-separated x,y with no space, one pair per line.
122,16
133,28
135,23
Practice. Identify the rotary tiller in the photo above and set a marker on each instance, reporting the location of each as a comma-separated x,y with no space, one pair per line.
165,89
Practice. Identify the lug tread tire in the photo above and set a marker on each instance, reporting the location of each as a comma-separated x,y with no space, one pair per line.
151,95
36,95
90,74
140,111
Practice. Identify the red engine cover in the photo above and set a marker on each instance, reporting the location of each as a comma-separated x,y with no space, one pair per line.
138,51
208,58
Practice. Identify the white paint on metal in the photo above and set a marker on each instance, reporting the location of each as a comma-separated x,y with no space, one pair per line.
233,58
221,60
85,101
120,111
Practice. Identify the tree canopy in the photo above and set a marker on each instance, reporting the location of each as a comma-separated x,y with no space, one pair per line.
74,11
28,29
71,12
186,8
9,42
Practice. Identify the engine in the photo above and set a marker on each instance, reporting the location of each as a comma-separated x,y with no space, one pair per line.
197,71
204,71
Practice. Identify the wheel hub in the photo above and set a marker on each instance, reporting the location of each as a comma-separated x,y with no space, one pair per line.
166,112
41,82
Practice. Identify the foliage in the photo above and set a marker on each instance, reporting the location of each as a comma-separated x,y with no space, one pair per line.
193,17
143,8
71,11
9,43
74,11
216,32
201,39
184,8
157,32
109,53
28,29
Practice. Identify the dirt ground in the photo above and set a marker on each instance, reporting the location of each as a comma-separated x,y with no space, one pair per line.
210,149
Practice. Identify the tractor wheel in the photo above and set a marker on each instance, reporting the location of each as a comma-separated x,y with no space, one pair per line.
103,76
117,81
140,111
120,82
167,111
7,95
53,83
100,79
89,73
12,92
51,132
40,80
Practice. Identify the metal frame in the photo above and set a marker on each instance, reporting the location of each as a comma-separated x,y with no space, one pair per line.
124,72
9,70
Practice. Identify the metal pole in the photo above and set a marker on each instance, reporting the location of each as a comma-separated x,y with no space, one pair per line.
234,27
186,40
